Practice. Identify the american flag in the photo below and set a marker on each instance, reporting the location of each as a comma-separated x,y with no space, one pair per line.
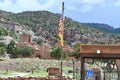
61,30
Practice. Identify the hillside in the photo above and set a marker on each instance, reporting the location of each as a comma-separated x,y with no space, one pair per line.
117,30
4,13
45,24
103,27
42,19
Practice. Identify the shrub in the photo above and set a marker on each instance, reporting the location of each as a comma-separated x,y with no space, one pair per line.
25,51
11,47
57,53
2,51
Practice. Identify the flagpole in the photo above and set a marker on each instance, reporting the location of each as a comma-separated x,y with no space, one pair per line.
62,8
63,43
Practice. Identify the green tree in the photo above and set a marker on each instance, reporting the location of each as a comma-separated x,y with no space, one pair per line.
38,41
56,53
12,34
76,52
3,31
2,51
2,44
25,51
11,47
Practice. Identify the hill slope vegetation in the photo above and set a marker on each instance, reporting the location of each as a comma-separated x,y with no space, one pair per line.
45,24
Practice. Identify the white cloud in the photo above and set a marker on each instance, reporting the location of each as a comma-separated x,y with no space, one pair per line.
92,1
71,8
83,5
24,5
6,4
86,8
85,2
53,5
117,3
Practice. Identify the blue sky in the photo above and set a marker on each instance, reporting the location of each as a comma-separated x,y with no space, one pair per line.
89,11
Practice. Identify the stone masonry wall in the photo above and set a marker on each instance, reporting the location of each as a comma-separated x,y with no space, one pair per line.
37,78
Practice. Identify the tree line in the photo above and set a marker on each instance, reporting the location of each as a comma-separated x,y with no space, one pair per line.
24,51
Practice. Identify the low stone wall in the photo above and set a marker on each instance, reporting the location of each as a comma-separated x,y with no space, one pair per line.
37,78
53,71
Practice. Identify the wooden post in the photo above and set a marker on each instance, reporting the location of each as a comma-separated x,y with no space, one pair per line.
73,69
61,70
82,69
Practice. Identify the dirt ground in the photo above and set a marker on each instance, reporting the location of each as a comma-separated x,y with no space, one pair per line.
26,64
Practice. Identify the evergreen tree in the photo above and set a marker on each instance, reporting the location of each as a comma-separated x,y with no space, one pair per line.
2,51
76,52
11,47
57,53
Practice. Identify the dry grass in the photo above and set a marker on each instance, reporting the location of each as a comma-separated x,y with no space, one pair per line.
27,64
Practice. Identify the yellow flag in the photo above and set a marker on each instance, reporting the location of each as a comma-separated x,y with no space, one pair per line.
61,31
